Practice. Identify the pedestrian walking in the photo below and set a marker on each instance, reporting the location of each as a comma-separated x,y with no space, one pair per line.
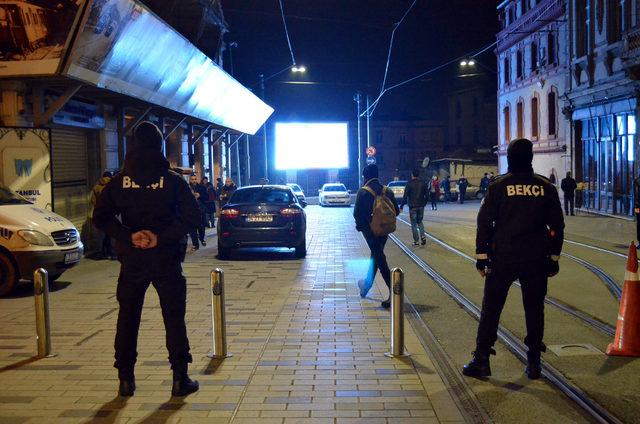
519,236
463,183
415,195
484,183
158,210
210,203
568,186
200,193
106,251
434,192
446,188
227,191
372,197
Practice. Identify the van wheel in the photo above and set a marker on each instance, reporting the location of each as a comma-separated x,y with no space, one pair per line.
301,249
8,274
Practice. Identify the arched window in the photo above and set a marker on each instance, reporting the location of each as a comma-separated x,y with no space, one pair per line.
552,112
520,119
534,117
506,116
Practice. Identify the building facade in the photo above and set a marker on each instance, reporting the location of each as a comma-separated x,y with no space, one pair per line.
532,54
602,100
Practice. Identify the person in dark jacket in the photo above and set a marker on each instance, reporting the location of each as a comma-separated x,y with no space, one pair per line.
446,188
227,191
463,183
484,183
362,213
568,186
157,210
519,236
210,203
200,193
415,195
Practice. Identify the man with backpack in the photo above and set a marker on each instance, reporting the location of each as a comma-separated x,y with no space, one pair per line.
415,194
375,214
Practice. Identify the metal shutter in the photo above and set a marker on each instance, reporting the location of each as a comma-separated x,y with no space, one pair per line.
70,173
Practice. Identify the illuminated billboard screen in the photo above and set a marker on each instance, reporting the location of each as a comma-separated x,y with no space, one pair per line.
312,145
34,35
123,47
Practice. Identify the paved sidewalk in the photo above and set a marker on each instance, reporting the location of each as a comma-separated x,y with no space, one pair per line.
306,348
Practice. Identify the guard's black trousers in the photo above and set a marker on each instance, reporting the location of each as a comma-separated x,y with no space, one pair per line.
533,280
171,286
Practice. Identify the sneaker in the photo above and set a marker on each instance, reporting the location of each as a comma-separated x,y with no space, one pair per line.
386,304
415,243
424,240
202,242
363,289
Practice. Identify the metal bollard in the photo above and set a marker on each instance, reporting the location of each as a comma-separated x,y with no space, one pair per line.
43,324
219,336
397,315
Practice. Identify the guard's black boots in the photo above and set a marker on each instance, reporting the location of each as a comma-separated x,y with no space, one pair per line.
127,386
533,368
183,385
479,365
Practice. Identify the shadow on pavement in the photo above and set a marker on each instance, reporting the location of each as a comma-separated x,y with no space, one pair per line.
23,289
613,363
19,364
164,411
212,366
108,413
262,254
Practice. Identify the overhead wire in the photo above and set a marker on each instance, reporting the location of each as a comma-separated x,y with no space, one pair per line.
472,54
286,31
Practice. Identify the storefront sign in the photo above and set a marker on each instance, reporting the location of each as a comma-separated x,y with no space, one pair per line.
26,164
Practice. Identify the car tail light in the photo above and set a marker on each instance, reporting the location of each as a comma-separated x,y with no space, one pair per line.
290,212
229,213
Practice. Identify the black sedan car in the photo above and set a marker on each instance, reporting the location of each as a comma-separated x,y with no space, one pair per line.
262,216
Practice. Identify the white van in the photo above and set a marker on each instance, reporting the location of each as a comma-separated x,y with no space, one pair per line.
32,238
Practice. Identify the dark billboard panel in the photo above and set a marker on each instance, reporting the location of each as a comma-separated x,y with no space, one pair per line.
34,35
124,47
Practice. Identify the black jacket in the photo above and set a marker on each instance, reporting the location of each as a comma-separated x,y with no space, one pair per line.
520,219
415,194
148,196
363,208
568,186
202,197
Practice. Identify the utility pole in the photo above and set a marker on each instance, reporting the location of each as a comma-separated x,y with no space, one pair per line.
357,99
248,155
368,123
264,134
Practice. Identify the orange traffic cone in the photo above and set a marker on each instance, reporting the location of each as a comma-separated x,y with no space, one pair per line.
627,339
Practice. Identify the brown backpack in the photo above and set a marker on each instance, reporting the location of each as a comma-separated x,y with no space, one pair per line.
383,216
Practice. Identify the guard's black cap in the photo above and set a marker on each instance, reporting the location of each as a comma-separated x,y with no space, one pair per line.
370,171
148,136
520,155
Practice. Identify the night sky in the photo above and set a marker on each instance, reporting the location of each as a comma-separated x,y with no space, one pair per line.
344,45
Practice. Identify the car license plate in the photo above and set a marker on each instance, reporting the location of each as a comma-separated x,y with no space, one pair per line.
260,218
71,257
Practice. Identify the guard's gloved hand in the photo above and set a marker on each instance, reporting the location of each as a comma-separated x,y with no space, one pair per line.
483,266
553,267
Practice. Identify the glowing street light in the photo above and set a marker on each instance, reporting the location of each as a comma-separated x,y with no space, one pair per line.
463,63
299,69
469,62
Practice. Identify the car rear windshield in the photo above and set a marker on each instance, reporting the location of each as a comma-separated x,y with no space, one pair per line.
338,187
397,184
8,197
261,195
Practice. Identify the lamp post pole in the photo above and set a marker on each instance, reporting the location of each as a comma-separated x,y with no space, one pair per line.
368,123
264,134
357,98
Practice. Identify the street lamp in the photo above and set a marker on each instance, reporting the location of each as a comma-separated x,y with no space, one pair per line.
298,69
467,62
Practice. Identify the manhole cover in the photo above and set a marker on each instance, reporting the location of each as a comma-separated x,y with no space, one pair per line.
574,349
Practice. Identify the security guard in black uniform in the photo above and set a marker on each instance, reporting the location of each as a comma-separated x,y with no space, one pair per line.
157,210
520,234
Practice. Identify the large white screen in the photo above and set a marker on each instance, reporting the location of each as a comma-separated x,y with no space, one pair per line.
311,145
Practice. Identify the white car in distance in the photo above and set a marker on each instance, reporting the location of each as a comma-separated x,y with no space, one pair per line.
335,194
297,190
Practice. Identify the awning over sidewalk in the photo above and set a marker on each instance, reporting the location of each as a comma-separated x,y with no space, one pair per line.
120,45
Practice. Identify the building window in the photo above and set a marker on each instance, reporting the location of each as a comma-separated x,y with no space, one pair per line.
506,113
519,119
534,117
581,27
505,67
551,109
519,70
403,140
614,19
551,48
534,57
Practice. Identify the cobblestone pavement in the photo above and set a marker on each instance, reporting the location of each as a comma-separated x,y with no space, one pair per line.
307,348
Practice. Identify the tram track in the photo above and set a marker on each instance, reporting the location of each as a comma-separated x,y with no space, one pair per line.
585,318
554,376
